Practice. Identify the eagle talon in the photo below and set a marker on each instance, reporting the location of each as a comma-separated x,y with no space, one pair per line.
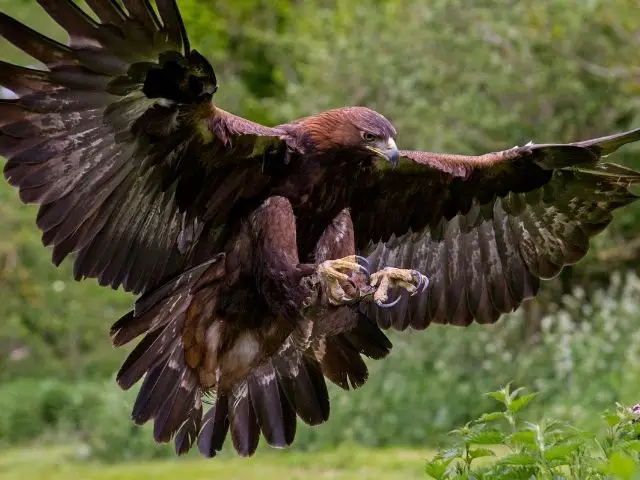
364,263
386,279
423,282
388,304
336,278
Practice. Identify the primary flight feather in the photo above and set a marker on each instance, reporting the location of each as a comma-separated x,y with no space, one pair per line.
241,239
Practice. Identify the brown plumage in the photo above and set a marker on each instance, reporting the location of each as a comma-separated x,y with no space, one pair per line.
240,237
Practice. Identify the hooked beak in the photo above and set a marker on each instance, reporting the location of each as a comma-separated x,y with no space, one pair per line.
388,151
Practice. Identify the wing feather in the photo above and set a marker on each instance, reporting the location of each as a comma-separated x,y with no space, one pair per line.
487,229
120,117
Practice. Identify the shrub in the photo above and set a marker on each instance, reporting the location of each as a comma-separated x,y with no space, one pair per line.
548,449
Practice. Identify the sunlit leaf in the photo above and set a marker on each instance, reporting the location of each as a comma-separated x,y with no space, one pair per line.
561,452
485,437
622,466
491,417
500,396
518,459
521,402
526,437
481,452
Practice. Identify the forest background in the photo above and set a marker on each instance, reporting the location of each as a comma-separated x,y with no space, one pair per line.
451,75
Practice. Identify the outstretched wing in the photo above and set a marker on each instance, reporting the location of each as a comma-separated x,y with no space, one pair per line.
485,229
119,142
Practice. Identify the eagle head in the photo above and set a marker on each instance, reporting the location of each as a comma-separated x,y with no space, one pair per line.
358,131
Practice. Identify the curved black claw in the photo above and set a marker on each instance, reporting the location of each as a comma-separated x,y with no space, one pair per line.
364,264
389,304
423,282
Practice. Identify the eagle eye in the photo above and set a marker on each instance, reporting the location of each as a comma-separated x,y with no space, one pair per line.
368,137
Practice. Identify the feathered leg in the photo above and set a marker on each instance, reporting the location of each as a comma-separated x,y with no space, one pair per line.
288,285
343,335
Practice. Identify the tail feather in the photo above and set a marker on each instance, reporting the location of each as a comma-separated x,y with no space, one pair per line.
169,393
215,427
245,431
342,363
178,406
156,386
290,383
340,351
188,433
276,417
368,339
150,310
303,384
154,347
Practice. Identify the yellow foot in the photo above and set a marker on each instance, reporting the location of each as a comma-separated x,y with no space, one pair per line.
384,280
338,278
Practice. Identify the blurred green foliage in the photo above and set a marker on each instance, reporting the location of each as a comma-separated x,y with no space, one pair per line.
588,357
546,450
452,75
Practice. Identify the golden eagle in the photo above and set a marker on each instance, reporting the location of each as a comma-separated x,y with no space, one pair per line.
242,238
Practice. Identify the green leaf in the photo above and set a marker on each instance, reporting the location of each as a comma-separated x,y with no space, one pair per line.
622,466
526,437
437,468
485,437
612,419
518,459
491,417
561,452
481,452
498,395
521,402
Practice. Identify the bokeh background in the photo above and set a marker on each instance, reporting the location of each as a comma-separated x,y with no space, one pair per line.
458,75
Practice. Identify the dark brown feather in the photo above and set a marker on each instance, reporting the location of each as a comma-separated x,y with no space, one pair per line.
215,426
108,11
276,417
245,431
188,433
178,405
496,224
172,21
156,387
342,364
116,174
48,51
143,12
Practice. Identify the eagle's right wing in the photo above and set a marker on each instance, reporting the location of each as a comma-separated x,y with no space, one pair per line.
485,229
119,142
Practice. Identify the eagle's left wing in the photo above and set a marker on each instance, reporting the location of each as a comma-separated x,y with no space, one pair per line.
119,142
484,229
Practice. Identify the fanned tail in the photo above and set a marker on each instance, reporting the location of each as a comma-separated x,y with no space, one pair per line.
170,394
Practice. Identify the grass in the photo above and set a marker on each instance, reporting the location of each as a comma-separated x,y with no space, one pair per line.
348,462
